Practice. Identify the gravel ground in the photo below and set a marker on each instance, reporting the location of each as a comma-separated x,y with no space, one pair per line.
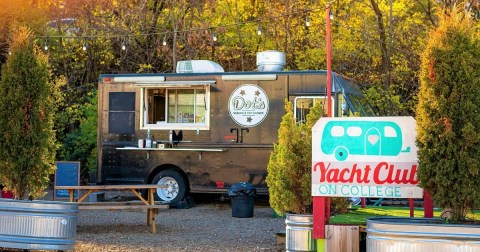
205,227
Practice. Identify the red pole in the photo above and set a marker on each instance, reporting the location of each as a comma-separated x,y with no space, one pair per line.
427,205
329,90
318,217
411,208
321,205
329,64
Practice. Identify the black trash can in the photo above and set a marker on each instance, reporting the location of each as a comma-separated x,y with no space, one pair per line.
242,196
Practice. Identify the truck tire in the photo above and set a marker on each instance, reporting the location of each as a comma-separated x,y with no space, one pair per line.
176,190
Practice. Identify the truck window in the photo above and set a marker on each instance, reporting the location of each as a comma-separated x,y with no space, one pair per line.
175,108
303,104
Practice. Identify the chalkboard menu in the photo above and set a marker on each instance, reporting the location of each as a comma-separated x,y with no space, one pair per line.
121,114
67,174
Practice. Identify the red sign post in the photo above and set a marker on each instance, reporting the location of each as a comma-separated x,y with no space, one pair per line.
321,205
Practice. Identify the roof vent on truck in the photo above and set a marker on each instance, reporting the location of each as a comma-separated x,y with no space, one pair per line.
270,61
198,66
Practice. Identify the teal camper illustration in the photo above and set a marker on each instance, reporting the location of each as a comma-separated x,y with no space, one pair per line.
375,138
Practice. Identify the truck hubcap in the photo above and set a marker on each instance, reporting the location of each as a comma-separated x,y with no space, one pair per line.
167,194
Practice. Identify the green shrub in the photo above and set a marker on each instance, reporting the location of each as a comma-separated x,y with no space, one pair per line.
448,120
27,138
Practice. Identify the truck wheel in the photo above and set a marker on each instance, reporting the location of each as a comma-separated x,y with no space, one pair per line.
176,190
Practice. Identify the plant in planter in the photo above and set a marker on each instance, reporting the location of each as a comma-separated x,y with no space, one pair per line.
27,152
448,143
448,119
289,177
27,138
289,167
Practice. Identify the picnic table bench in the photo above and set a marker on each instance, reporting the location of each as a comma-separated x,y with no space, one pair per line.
148,204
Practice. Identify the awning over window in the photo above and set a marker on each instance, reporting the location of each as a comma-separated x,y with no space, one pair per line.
139,79
166,84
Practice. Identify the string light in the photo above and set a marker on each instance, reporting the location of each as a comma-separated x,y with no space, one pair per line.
164,42
331,15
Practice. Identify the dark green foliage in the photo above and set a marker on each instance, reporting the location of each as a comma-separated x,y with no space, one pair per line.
81,143
448,120
27,138
387,102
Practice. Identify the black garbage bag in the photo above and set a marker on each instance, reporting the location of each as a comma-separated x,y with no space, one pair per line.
242,189
242,195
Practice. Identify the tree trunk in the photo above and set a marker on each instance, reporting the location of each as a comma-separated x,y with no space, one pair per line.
383,44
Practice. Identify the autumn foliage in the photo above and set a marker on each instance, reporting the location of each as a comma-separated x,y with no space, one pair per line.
448,119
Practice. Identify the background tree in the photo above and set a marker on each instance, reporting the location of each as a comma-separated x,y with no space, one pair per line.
16,13
378,43
81,143
447,114
27,138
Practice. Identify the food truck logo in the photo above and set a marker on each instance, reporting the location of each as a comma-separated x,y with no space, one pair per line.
248,105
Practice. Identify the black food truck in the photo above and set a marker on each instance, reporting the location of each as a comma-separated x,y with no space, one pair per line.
203,132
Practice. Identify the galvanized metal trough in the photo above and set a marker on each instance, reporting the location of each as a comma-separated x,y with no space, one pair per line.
386,234
299,233
38,225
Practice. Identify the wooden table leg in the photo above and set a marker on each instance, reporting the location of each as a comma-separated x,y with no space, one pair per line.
72,195
150,212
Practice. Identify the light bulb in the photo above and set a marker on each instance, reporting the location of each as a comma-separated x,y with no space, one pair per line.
331,15
307,21
123,46
84,47
259,31
214,36
46,46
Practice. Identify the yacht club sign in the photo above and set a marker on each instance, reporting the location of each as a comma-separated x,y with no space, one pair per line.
248,105
365,157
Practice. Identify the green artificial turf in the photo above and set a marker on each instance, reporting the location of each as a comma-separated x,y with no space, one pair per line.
359,216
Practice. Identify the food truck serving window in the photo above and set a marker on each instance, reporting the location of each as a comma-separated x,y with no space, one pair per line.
175,107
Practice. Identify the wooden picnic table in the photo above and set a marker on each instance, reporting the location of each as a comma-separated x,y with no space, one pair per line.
148,204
